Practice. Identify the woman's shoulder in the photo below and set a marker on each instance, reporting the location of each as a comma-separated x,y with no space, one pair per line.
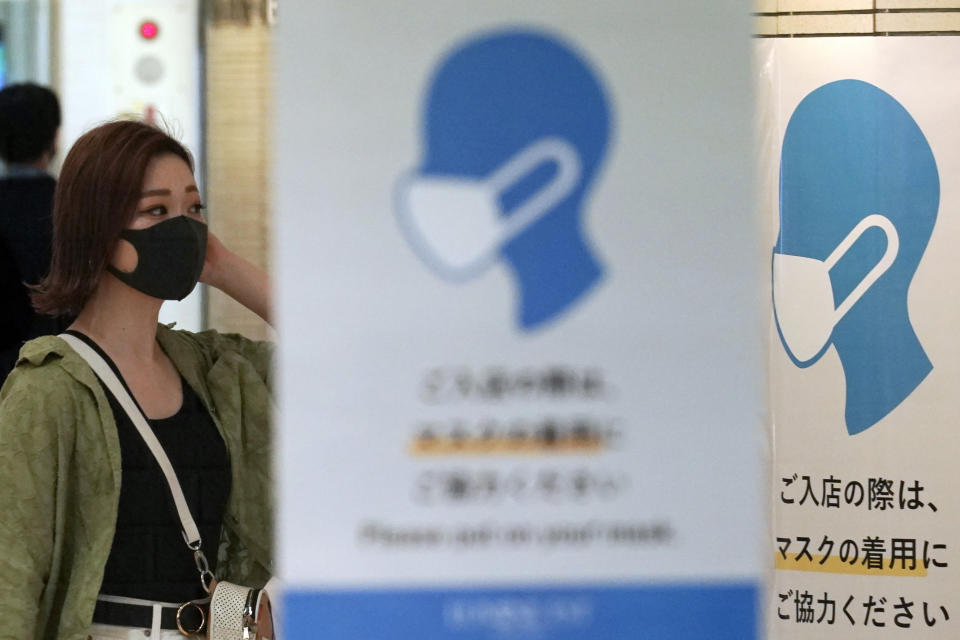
48,361
211,345
48,378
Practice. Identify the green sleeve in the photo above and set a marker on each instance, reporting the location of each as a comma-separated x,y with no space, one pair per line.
31,448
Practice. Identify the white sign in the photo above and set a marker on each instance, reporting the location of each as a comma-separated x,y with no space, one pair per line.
864,218
521,378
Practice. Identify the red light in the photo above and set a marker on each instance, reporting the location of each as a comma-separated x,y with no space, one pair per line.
149,30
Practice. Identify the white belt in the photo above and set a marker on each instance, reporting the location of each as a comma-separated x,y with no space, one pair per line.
99,631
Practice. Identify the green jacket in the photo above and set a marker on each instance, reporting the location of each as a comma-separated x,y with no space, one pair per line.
60,475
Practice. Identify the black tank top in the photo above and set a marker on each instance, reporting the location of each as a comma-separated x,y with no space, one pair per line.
149,559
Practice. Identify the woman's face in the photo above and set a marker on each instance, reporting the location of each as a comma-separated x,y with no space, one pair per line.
169,190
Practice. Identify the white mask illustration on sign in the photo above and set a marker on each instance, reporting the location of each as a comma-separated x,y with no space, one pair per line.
803,294
456,224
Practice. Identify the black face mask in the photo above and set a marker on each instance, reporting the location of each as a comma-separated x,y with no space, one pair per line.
169,258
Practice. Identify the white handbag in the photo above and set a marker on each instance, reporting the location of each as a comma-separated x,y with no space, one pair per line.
237,612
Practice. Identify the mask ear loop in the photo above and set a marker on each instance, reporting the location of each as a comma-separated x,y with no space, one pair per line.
538,205
889,255
534,207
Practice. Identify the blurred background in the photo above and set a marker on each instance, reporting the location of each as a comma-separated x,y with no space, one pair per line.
201,67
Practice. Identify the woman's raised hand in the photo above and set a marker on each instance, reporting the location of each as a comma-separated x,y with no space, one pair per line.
243,281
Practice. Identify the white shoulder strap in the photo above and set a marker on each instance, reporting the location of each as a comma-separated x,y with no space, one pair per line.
190,532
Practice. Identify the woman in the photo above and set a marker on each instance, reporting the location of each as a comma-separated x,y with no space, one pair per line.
88,534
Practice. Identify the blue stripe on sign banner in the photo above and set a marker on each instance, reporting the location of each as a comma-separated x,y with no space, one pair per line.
715,611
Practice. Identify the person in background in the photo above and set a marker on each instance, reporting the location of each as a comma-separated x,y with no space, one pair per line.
29,122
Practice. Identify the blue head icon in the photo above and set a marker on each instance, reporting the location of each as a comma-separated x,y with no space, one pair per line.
859,193
515,126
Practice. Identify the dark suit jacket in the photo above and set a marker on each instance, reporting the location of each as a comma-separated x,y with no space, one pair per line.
26,228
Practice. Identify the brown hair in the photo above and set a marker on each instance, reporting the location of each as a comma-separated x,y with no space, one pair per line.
96,197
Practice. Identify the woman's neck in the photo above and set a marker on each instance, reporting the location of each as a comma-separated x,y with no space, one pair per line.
122,320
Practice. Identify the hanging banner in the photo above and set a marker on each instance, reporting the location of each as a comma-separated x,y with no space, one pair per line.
521,379
861,148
